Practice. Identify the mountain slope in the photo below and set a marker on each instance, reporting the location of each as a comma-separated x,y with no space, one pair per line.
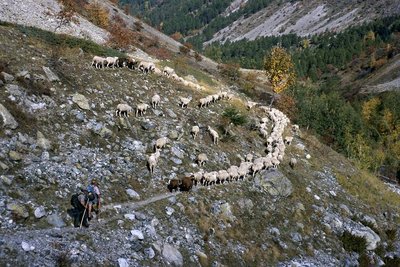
66,133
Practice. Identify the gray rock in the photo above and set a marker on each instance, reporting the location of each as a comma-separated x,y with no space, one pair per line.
14,155
171,113
370,236
105,133
50,75
5,180
14,90
40,212
81,101
275,231
176,161
18,210
171,255
140,216
275,183
148,125
7,77
169,211
24,74
123,262
132,193
42,142
345,209
137,234
149,252
26,247
8,119
226,212
129,216
55,220
178,152
3,166
296,237
173,135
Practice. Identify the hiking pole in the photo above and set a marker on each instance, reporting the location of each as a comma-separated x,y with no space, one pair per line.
84,212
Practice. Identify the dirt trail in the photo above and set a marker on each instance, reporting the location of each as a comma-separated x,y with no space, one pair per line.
58,232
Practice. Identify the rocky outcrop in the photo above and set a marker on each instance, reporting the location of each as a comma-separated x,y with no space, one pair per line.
8,119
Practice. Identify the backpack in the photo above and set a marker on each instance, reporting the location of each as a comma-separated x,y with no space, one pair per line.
75,201
90,189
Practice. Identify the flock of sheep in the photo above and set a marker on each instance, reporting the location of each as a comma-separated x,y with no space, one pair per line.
143,66
276,145
275,142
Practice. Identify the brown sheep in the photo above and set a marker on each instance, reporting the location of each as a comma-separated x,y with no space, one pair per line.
173,185
186,184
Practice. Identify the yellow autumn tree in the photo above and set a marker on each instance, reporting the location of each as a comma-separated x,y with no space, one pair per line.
98,15
279,69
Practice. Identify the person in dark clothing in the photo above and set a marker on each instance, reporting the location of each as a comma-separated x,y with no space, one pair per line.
80,203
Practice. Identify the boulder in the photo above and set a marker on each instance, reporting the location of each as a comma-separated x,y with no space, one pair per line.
123,262
55,220
42,142
8,119
18,210
81,101
275,183
132,193
371,238
40,212
171,255
14,155
50,75
137,234
7,77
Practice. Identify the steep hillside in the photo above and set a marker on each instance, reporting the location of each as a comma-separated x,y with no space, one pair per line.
221,21
59,130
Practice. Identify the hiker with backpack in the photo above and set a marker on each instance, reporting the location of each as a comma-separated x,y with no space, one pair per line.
80,202
94,194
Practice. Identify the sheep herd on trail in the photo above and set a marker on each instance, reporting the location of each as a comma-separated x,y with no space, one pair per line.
275,141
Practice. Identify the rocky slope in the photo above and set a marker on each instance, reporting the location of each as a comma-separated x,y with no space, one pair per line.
59,131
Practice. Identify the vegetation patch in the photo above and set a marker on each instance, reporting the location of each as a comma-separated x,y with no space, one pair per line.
353,243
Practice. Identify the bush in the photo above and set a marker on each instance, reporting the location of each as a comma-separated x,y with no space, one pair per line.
234,116
230,70
353,243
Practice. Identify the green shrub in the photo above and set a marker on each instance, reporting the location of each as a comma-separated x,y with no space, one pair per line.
234,116
353,243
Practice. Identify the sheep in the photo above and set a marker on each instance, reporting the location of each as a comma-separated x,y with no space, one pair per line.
288,140
293,163
146,67
152,161
215,97
214,135
141,109
264,133
198,177
123,110
155,101
202,159
203,102
210,178
195,131
183,101
257,166
160,143
233,172
223,176
186,183
251,104
244,169
295,128
223,95
249,157
113,61
168,71
173,184
98,62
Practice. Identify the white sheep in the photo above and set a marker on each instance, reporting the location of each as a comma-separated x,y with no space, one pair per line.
244,169
183,101
113,61
288,140
123,110
233,172
210,178
251,104
202,159
223,176
98,62
293,162
249,157
141,109
198,177
168,71
152,161
195,131
155,101
263,132
203,102
160,143
214,135
257,166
